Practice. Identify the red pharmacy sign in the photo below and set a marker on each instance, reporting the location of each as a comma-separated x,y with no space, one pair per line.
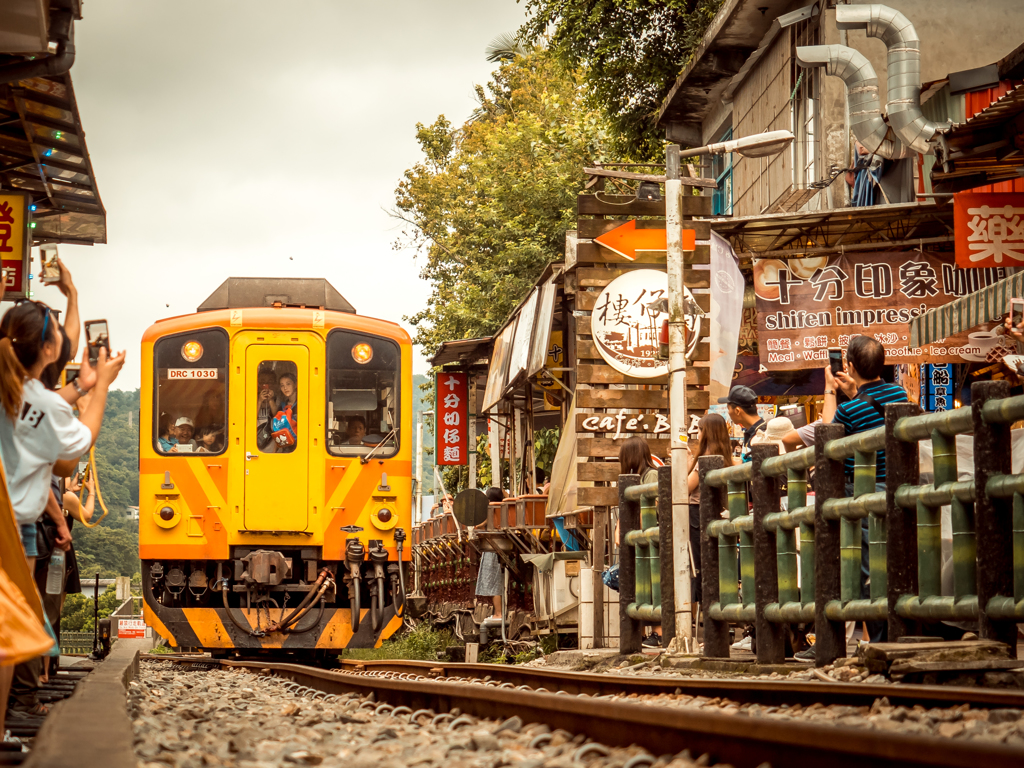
452,429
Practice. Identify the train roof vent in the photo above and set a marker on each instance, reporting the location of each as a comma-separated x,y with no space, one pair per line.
250,292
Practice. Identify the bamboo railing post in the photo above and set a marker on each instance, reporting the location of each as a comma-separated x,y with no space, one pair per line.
902,468
829,483
785,540
1018,547
993,516
629,520
666,553
738,508
771,638
716,633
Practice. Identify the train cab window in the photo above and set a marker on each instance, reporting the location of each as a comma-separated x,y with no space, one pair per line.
362,395
277,406
191,393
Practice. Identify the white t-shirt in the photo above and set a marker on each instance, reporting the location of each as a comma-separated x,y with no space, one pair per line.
45,431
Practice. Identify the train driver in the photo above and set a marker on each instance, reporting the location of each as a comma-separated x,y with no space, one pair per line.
356,429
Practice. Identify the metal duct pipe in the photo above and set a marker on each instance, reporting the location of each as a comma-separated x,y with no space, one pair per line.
903,76
856,71
63,31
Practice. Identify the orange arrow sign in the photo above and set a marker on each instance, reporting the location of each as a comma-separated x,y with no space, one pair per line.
626,240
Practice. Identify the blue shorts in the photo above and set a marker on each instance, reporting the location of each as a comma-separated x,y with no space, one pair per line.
28,540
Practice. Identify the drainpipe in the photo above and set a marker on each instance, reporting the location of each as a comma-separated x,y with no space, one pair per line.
62,29
866,120
903,76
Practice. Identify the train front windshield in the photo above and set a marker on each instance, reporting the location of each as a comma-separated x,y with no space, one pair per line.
362,394
191,398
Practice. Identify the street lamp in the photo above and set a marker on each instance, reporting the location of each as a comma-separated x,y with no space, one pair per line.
758,145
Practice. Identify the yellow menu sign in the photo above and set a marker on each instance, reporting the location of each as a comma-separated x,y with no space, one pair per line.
15,242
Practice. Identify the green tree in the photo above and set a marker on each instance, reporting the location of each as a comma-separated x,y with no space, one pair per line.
491,201
112,547
77,613
631,52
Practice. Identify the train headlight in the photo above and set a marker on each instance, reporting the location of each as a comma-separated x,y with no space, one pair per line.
384,518
362,353
166,514
192,351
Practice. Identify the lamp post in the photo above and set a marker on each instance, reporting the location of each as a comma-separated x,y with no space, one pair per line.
758,145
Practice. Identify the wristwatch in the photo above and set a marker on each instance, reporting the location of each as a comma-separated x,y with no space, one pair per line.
830,391
78,388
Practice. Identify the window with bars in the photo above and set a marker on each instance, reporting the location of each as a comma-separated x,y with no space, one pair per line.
804,107
721,171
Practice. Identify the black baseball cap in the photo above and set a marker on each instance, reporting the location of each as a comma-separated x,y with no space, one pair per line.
740,395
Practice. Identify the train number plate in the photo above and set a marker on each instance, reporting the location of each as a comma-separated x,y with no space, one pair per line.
191,373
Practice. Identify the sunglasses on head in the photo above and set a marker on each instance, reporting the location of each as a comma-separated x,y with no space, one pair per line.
46,313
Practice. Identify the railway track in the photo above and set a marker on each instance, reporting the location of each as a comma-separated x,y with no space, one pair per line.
577,707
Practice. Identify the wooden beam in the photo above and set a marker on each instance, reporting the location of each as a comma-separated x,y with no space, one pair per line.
639,399
587,350
590,277
608,447
598,496
598,472
605,374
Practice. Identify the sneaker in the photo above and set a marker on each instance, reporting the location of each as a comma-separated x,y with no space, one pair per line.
805,655
743,644
652,641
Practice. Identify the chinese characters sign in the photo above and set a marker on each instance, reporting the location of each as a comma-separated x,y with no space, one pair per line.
452,419
626,321
937,387
989,229
802,309
14,242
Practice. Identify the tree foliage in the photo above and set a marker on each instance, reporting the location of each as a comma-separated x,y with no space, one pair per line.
77,613
491,201
112,548
632,51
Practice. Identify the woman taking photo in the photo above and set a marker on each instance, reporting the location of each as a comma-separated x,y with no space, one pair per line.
712,440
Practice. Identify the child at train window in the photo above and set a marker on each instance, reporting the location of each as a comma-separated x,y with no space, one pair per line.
209,439
166,439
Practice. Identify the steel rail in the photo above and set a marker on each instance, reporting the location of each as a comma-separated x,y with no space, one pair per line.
741,741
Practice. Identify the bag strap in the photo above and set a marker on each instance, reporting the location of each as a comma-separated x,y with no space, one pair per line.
872,402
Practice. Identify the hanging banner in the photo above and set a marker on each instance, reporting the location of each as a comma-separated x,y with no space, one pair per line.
937,387
805,308
15,243
627,318
989,229
727,286
452,432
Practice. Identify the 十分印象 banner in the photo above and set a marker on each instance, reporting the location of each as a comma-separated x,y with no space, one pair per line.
805,306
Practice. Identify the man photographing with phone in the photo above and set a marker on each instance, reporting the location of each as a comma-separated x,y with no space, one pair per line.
868,395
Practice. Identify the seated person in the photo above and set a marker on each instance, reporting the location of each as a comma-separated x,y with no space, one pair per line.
267,384
356,429
167,434
542,486
208,439
186,427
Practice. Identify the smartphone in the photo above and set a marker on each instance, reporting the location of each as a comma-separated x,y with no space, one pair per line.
96,336
51,269
1016,311
835,360
71,373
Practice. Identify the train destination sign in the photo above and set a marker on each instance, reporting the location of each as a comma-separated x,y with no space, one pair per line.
191,373
805,306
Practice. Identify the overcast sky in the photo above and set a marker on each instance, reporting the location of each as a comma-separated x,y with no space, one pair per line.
258,138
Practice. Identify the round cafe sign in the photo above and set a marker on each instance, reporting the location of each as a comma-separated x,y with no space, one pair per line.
627,319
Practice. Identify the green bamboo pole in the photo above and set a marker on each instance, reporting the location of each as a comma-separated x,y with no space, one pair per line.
929,551
965,550
738,508
649,520
728,578
785,540
1018,547
865,472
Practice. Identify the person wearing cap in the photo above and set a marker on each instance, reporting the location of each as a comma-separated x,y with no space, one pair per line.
186,428
742,407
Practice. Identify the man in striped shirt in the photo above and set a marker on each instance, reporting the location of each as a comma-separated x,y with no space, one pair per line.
865,410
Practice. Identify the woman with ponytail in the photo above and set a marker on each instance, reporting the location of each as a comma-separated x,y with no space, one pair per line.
38,426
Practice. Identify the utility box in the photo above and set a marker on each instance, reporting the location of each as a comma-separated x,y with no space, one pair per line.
556,589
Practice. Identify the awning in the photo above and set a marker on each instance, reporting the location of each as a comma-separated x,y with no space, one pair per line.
961,315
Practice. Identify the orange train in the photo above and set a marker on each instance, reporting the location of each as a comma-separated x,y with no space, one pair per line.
275,471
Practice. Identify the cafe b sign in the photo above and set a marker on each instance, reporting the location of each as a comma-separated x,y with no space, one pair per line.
627,319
